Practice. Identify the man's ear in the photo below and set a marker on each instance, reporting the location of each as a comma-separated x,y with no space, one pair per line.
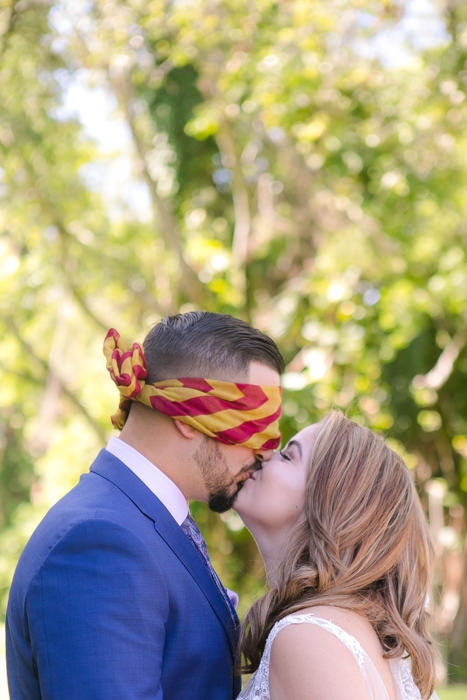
187,431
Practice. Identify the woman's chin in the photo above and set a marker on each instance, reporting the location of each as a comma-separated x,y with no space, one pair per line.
241,501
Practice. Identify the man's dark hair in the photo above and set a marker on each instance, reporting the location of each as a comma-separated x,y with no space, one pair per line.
206,344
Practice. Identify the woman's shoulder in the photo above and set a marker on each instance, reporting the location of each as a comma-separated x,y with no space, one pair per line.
350,624
304,657
330,617
346,627
334,638
309,621
345,617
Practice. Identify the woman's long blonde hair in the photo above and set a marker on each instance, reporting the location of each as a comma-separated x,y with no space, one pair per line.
363,545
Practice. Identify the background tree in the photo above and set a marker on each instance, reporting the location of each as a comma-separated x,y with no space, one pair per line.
292,179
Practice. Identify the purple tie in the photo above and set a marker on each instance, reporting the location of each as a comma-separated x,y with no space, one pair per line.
192,531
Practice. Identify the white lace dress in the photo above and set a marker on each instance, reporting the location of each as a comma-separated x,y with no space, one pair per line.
258,686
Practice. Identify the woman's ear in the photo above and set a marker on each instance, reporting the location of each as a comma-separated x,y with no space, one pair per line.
187,431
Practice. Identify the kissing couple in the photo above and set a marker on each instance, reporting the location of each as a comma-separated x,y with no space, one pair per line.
115,598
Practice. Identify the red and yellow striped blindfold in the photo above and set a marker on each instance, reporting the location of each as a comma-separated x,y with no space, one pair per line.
233,413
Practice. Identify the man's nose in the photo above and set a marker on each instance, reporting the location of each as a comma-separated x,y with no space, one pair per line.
263,455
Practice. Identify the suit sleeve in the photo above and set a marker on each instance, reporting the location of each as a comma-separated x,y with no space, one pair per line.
97,613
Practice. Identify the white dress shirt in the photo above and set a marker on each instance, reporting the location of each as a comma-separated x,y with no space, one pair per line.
159,483
155,479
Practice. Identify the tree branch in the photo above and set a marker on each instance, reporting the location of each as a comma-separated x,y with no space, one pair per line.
120,82
440,373
12,15
66,391
66,236
242,225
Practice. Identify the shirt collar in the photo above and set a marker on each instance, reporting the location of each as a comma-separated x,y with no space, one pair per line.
159,483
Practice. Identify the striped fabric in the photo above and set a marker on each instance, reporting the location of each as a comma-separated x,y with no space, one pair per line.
233,413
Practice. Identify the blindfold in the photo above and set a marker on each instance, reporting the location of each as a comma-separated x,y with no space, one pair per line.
231,412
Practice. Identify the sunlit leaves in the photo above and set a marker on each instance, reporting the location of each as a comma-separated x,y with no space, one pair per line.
312,190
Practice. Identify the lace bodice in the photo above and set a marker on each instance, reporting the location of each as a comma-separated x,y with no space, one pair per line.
258,686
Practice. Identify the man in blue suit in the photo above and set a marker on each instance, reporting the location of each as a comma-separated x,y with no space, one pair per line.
114,596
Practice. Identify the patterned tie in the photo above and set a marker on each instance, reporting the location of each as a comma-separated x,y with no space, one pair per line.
192,531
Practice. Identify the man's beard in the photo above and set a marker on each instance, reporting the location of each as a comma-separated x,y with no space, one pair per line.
217,478
220,501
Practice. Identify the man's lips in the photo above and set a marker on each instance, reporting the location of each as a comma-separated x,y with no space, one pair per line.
248,475
250,472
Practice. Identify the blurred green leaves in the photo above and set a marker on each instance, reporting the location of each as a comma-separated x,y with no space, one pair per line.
289,179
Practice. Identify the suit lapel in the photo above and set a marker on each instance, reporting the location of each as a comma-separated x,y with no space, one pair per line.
112,469
186,552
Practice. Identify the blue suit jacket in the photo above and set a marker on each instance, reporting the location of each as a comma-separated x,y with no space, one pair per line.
110,600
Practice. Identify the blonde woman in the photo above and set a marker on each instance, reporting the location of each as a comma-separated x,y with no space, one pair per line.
348,560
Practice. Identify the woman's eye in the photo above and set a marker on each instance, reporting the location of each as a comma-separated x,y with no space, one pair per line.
284,455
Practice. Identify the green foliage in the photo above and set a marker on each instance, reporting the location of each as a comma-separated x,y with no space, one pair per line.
454,692
171,107
291,181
